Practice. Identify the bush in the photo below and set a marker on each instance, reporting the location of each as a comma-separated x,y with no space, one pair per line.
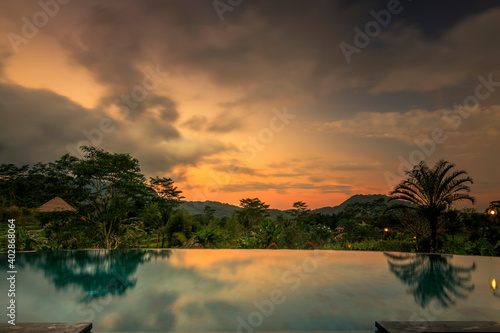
394,245
321,234
366,245
70,233
454,246
482,247
178,228
424,243
248,241
210,237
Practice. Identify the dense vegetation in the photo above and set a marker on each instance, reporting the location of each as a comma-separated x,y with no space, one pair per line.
117,207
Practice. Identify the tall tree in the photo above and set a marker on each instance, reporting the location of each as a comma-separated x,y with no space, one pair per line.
168,197
152,217
13,183
110,175
166,190
31,186
300,211
118,190
432,192
253,210
208,214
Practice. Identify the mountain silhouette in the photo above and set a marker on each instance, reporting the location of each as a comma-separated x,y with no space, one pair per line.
227,210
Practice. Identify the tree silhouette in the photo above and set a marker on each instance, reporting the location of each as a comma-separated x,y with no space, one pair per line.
432,277
300,211
432,192
253,210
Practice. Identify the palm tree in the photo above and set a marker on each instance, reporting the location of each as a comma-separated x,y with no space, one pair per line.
432,192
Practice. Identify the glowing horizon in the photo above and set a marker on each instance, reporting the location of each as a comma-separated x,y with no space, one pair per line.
257,104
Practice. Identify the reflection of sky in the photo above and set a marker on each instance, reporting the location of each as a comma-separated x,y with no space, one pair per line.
208,290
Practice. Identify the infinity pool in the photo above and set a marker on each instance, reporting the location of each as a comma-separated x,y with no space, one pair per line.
250,290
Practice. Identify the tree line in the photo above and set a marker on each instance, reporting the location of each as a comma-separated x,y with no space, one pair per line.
118,207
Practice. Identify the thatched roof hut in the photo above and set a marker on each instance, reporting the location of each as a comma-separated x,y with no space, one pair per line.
55,205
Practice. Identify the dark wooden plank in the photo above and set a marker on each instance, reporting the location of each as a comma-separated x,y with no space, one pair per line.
46,328
437,326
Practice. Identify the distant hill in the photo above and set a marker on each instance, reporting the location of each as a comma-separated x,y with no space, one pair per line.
357,198
221,209
227,210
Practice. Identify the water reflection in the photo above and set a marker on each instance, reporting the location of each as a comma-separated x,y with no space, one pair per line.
493,285
211,290
432,277
97,273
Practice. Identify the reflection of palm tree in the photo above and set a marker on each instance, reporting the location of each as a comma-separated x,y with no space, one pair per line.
432,277
98,273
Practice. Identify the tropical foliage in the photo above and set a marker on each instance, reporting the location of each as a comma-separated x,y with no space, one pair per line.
432,192
118,207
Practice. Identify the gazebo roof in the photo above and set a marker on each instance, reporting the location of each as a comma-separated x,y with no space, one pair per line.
55,205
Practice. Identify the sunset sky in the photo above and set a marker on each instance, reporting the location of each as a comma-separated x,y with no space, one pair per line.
281,100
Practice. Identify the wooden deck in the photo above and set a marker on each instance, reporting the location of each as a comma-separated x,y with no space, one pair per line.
437,326
46,328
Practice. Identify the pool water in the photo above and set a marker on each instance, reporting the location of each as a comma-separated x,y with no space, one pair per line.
250,290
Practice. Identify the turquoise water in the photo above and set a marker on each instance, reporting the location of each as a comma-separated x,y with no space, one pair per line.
250,290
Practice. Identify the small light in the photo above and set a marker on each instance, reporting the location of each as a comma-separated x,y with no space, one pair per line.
386,229
414,237
492,212
493,284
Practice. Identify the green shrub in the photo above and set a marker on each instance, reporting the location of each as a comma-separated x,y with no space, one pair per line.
424,243
454,246
180,222
482,247
208,236
247,241
394,245
71,232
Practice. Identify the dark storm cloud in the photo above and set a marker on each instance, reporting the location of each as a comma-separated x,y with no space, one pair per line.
157,157
196,122
114,47
287,49
116,39
3,57
38,124
223,123
262,52
167,107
